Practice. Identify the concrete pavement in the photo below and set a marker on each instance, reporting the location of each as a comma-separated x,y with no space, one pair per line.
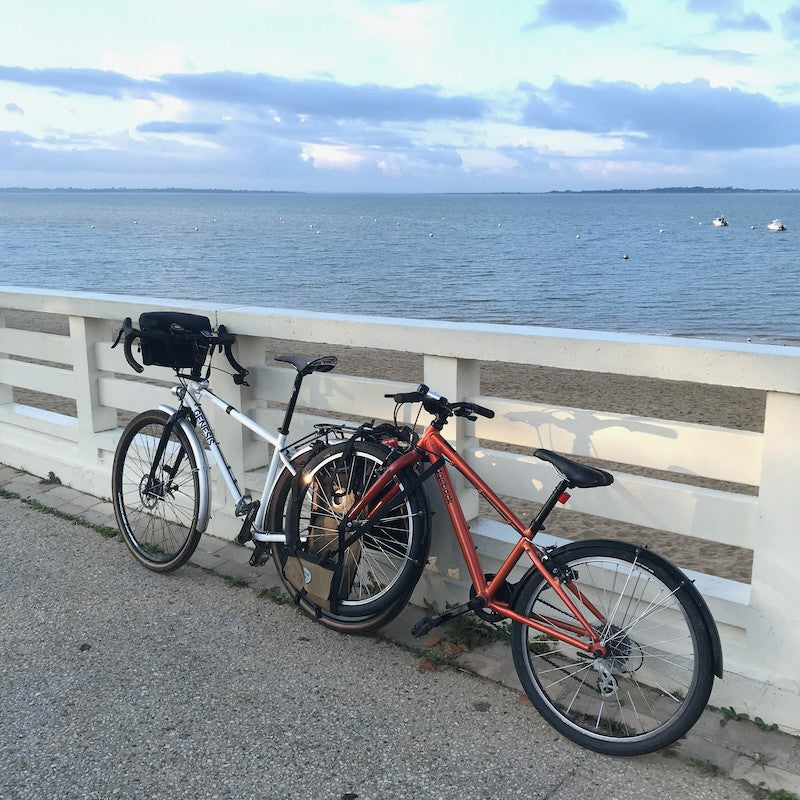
118,682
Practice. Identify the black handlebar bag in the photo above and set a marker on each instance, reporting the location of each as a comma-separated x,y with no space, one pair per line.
173,339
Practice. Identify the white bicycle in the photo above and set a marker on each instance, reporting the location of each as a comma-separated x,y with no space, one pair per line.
160,484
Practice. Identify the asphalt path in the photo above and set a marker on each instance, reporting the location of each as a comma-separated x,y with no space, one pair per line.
119,682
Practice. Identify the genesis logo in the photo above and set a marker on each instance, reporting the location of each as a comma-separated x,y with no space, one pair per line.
202,423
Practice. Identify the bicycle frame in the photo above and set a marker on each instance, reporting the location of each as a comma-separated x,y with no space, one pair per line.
190,395
433,446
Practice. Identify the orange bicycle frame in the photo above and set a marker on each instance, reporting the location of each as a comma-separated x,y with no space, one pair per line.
433,446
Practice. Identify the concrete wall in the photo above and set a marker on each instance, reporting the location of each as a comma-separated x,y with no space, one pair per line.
760,642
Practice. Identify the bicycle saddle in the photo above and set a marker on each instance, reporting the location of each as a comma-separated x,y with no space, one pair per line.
305,366
579,475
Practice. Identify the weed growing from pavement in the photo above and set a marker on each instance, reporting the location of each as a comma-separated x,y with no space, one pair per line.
277,596
37,505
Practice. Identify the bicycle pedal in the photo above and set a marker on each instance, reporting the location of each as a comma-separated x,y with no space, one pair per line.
245,506
424,626
260,555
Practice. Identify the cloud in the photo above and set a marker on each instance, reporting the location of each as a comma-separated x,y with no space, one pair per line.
324,97
747,22
692,115
713,6
13,108
210,128
730,15
82,81
584,14
311,97
790,20
731,56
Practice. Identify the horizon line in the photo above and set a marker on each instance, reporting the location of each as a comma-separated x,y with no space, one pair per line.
187,189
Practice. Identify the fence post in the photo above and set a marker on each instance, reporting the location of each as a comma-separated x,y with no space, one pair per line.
236,438
93,417
6,393
455,379
774,581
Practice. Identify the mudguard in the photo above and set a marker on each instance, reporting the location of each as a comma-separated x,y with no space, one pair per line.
204,493
565,550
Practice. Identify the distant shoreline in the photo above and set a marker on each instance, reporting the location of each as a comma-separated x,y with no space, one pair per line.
183,190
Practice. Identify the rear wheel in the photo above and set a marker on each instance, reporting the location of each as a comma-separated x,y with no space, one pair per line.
384,565
157,514
657,674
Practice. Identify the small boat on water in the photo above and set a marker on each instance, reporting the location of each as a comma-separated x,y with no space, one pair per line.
776,225
719,222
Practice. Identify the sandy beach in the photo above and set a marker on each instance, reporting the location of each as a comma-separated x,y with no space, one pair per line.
723,406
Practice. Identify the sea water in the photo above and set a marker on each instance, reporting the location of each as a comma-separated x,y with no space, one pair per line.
649,263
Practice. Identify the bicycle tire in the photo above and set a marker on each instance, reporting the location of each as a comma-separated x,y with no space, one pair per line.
159,522
658,673
391,556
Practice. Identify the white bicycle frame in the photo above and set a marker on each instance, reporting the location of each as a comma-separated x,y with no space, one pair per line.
190,395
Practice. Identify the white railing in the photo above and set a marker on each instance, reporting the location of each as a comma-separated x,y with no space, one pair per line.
760,642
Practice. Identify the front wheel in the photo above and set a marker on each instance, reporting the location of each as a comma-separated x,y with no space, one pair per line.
156,509
657,674
383,566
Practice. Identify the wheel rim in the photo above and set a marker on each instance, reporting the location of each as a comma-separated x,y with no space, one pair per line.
160,515
649,673
376,561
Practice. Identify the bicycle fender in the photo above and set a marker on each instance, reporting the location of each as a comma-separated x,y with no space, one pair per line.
666,566
199,453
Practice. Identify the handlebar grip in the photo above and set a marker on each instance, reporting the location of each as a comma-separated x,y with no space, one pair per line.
484,412
129,334
405,397
410,397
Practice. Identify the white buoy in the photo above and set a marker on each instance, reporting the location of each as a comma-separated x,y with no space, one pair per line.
625,257
661,230
578,236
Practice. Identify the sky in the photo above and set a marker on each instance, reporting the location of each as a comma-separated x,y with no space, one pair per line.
400,96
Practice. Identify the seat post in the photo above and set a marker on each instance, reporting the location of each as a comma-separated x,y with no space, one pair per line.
537,524
287,417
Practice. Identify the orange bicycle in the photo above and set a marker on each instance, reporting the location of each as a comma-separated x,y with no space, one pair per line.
613,644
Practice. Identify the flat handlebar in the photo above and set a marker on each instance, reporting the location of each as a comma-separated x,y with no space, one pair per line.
441,406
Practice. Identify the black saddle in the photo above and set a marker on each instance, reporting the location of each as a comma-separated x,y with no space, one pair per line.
305,366
579,475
